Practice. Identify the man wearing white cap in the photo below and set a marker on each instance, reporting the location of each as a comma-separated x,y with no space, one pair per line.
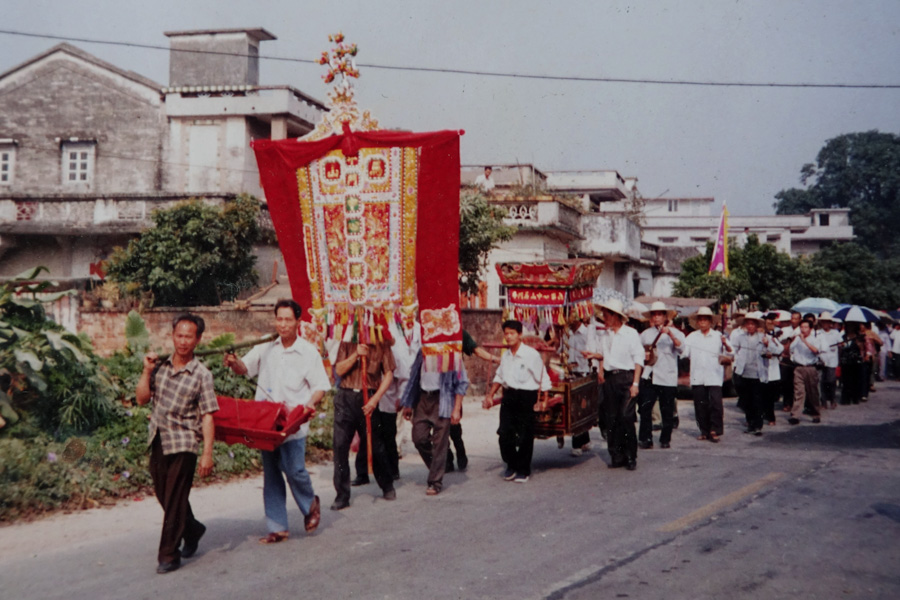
829,340
704,347
621,359
666,343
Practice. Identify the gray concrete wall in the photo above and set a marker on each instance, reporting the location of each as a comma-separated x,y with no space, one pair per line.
192,68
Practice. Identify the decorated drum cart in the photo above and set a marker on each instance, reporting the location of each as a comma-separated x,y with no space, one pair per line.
546,297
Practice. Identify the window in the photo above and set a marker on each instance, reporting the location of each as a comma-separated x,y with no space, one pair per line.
502,296
668,240
78,162
823,219
7,163
673,205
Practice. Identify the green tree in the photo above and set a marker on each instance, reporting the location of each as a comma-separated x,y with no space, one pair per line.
195,255
759,273
861,277
481,229
859,171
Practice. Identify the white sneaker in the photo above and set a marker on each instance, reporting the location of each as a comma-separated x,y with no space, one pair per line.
576,452
586,447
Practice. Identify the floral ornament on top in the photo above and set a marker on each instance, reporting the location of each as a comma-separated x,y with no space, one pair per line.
341,63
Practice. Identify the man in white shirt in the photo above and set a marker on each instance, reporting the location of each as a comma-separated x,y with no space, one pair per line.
485,182
621,359
704,347
667,343
828,343
788,334
804,355
290,371
895,351
522,376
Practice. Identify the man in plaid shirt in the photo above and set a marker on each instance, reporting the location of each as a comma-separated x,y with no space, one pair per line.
184,401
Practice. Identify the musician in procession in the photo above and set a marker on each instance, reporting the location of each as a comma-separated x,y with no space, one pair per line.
788,333
829,340
664,344
752,354
184,401
621,357
772,387
704,347
804,355
290,371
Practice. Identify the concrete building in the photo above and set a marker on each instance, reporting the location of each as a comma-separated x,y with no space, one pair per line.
88,150
560,216
690,223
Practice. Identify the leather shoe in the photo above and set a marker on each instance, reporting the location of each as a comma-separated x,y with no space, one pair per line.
360,481
631,466
615,465
311,521
340,504
645,445
390,494
190,546
665,445
168,567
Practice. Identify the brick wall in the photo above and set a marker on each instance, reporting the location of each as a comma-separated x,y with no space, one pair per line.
106,328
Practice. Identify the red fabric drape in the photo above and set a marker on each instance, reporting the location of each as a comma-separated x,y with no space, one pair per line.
437,242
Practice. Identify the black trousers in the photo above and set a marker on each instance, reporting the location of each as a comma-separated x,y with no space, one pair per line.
621,414
828,378
516,431
751,401
771,392
349,419
462,461
649,395
384,426
708,409
787,385
173,475
851,383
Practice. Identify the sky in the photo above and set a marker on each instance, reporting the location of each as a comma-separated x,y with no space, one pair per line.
737,144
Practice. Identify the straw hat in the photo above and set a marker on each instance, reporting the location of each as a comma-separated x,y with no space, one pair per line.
755,316
703,311
660,307
826,316
614,305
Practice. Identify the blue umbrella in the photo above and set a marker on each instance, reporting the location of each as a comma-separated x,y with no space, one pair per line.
856,314
816,305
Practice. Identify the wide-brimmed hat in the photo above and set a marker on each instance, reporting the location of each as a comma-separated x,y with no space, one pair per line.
614,305
826,316
660,307
755,316
703,311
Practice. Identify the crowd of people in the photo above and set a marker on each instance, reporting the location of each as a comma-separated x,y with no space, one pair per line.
795,358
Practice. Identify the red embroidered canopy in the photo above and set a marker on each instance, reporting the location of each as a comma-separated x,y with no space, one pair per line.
368,223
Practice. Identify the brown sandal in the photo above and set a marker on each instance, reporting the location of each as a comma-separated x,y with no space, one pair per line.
701,437
274,537
713,438
311,521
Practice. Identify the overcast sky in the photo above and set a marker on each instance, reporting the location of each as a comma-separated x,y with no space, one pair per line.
741,145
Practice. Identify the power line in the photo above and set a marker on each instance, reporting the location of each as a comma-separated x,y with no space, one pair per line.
478,73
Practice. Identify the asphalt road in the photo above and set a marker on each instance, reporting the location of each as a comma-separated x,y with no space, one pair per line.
810,511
